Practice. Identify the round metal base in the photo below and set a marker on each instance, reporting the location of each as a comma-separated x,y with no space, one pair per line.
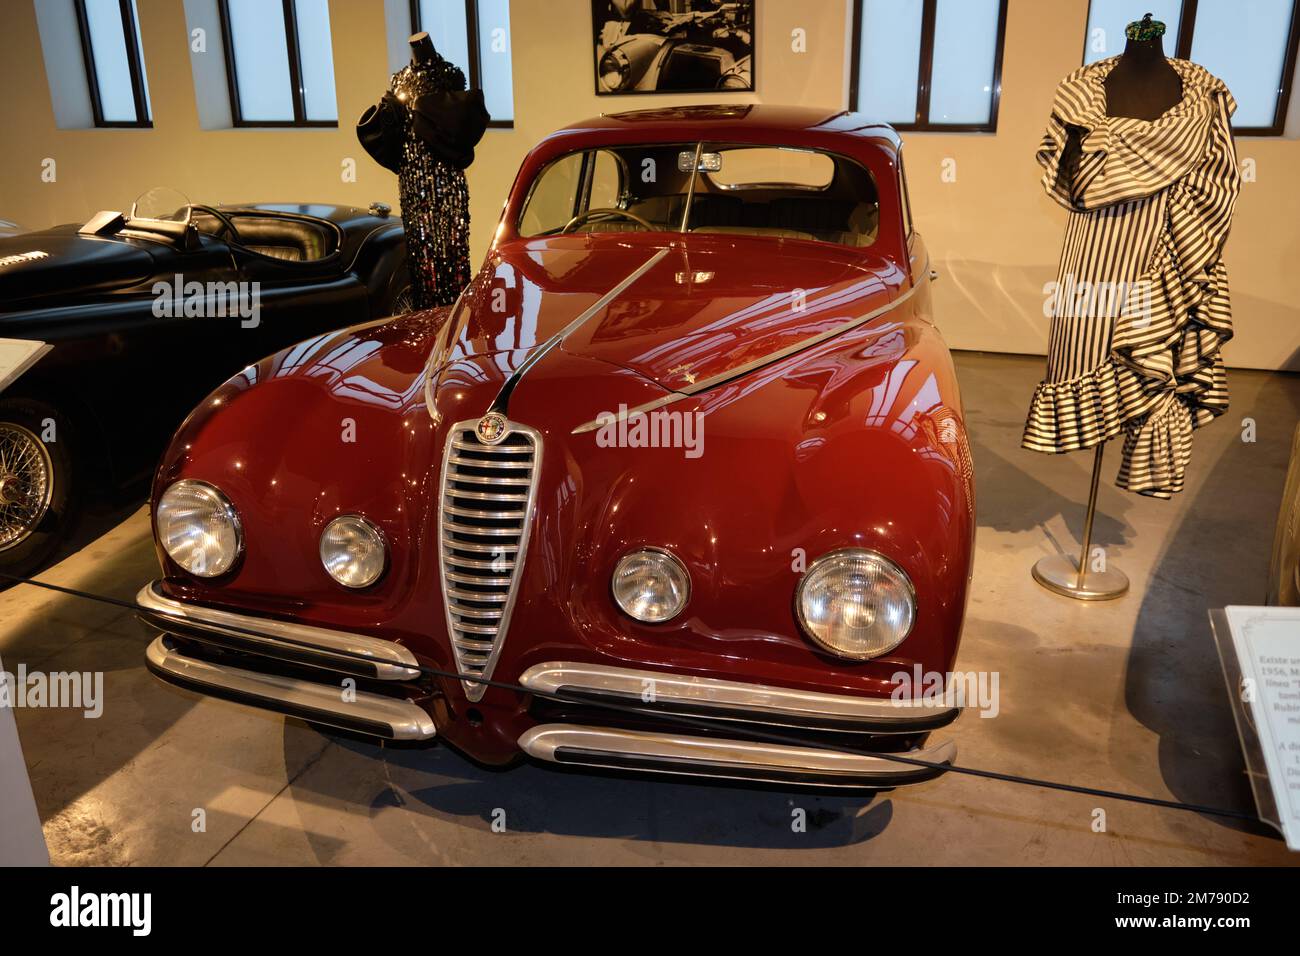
1060,573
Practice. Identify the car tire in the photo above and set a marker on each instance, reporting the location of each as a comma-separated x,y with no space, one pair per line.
42,501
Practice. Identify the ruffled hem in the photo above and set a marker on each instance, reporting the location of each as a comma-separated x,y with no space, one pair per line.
1074,415
1157,450
1164,378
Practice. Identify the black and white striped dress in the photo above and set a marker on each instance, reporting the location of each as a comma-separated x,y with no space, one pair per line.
1140,308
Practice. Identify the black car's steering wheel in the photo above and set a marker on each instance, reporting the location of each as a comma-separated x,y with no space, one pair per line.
607,211
227,230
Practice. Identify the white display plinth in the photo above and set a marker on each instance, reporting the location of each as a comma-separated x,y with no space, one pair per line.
16,357
21,841
1259,648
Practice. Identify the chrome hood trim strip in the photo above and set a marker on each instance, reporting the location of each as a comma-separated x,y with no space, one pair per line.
430,380
501,403
740,370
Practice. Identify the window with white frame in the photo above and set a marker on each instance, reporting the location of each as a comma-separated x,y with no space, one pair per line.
279,62
929,64
1249,44
475,36
115,77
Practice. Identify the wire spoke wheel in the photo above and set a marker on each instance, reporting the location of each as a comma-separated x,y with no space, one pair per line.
26,484
404,302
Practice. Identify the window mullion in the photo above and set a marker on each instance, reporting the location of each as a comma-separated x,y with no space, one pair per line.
133,54
926,63
474,80
232,78
88,57
855,71
295,64
1186,28
1283,102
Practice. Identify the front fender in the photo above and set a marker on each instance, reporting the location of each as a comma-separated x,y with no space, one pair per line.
333,425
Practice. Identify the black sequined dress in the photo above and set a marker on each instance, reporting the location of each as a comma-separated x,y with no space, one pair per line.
434,197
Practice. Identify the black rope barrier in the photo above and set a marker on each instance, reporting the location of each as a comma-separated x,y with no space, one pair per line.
762,735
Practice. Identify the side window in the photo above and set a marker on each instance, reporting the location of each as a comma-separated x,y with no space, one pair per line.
606,181
552,201
569,185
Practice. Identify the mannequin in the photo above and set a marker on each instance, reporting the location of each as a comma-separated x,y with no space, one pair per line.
434,196
422,50
1139,150
1143,85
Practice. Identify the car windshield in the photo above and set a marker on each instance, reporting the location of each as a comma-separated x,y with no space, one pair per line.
731,188
161,204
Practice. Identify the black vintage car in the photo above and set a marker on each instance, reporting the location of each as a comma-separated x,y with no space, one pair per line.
146,313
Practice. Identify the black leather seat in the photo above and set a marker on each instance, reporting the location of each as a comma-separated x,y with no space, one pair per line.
278,237
294,240
789,217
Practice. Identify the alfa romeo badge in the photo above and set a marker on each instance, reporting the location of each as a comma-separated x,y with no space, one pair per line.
491,428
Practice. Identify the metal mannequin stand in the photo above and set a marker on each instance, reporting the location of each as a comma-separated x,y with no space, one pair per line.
1060,573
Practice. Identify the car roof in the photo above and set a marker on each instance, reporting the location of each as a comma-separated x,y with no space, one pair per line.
718,121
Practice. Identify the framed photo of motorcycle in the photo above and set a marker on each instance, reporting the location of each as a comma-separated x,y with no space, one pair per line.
673,46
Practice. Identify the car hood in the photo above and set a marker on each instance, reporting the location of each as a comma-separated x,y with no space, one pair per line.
708,306
58,261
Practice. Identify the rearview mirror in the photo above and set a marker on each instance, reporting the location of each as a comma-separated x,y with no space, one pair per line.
709,162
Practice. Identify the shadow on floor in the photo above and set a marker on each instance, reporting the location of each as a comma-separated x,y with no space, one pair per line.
1009,498
104,512
439,784
1217,555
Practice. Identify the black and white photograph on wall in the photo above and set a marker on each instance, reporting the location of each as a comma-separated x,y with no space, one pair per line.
673,46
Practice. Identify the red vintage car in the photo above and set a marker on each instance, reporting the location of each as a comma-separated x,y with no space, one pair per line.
680,484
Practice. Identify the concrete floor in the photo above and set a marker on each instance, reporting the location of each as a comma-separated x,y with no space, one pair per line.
1124,695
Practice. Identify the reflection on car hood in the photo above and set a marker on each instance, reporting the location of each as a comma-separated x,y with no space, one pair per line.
712,304
59,261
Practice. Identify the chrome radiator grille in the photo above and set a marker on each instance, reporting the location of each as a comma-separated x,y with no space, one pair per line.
486,508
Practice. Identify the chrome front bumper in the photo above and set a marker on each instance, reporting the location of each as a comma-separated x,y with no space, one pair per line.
724,749
723,740
358,711
614,749
313,650
287,641
657,692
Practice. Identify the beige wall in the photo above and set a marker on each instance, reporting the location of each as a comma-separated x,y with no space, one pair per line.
994,235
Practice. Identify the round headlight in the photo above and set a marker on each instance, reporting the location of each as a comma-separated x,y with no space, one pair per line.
651,585
856,603
353,551
614,70
199,529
